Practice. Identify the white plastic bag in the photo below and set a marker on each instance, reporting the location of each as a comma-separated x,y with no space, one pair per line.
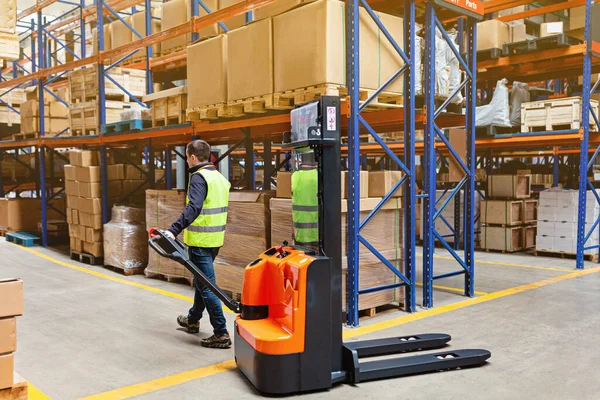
442,68
498,111
518,95
455,72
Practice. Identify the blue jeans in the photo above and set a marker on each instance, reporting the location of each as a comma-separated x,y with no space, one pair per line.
204,299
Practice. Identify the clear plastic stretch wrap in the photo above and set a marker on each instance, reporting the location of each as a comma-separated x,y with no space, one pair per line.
498,111
518,95
136,113
418,66
125,239
456,75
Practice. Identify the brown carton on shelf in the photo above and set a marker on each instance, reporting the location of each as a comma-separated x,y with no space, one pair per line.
31,108
24,214
71,188
11,297
93,221
8,335
75,216
381,182
83,158
364,184
93,235
458,140
233,22
177,12
115,188
250,60
137,185
57,125
115,172
90,206
131,172
88,174
89,190
7,370
120,33
284,185
492,34
309,48
207,80
278,7
138,22
95,249
70,173
58,110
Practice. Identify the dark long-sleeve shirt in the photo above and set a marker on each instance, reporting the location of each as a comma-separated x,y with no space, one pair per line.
197,192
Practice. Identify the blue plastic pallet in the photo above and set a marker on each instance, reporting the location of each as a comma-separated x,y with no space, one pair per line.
125,126
23,238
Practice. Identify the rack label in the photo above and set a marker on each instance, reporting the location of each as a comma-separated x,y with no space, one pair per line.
331,118
472,8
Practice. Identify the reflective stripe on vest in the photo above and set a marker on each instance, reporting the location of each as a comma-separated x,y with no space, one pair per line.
208,229
305,207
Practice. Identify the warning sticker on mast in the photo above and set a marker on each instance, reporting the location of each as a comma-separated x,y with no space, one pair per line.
473,8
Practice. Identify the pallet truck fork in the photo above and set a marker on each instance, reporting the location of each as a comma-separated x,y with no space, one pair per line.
288,334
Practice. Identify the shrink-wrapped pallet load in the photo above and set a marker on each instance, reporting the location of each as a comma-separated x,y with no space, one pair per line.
125,240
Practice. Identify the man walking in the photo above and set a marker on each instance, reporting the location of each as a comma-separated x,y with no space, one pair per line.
203,221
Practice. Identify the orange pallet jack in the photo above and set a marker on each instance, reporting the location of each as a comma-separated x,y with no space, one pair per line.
288,334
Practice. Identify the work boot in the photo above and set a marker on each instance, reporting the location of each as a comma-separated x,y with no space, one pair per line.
184,322
217,342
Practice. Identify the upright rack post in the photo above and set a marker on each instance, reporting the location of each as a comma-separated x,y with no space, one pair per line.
42,150
101,110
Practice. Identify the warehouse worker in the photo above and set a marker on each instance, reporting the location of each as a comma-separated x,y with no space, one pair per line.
305,204
203,221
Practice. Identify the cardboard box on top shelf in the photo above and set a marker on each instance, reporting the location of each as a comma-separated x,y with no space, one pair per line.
278,7
177,12
138,22
309,48
11,298
89,189
7,370
71,188
120,33
250,60
492,34
233,22
8,335
88,174
207,81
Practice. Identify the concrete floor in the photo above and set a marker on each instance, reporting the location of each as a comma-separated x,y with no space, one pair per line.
85,334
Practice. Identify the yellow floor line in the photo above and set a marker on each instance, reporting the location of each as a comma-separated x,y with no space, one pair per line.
507,264
34,393
453,289
162,383
169,381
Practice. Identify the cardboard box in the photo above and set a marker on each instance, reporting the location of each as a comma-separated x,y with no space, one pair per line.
564,245
93,235
115,188
75,216
546,228
23,214
502,212
88,174
381,182
547,213
138,22
70,173
177,12
250,60
8,335
233,22
492,34
7,370
69,216
90,206
364,184
577,18
309,48
71,188
518,31
11,297
551,28
509,186
131,172
137,185
57,125
88,220
278,7
207,81
115,172
83,158
76,245
89,190
31,108
544,243
120,33
458,140
95,249
284,185
58,110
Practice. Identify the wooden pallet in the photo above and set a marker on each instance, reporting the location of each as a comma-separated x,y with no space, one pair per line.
544,253
168,106
18,391
25,136
209,112
545,43
555,115
23,239
170,278
126,271
258,105
171,50
125,126
86,258
488,54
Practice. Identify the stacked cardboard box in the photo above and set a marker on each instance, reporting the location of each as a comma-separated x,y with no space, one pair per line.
11,306
163,207
84,199
508,215
56,114
22,214
557,221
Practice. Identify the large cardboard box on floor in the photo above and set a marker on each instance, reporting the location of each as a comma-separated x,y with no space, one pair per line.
23,214
177,12
250,60
492,34
7,370
8,335
207,75
11,298
309,48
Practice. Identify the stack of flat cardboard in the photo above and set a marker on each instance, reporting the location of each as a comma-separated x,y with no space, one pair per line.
84,199
163,207
11,306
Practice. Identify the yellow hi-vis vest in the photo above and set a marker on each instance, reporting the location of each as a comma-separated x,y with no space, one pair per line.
305,207
208,230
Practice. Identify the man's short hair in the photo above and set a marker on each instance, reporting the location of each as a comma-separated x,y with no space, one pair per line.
199,148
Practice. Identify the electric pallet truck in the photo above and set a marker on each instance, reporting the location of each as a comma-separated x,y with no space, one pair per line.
288,334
